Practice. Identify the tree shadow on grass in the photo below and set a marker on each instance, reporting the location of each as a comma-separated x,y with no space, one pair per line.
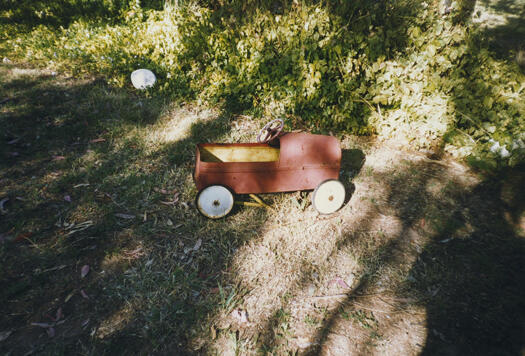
468,277
479,308
456,254
49,125
91,192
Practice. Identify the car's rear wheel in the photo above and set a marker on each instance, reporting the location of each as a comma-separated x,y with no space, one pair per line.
215,201
329,196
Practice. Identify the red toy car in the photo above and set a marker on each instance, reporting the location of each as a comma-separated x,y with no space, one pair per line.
279,162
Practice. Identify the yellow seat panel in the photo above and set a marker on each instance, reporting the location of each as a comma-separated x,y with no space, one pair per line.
239,154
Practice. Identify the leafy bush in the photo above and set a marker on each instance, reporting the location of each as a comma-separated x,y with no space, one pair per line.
396,68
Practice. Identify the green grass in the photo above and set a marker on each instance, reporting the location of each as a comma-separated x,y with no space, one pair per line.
311,321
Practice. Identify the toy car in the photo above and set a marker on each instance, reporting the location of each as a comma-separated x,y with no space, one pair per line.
279,162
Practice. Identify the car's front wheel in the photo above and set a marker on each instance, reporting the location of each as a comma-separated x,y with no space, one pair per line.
215,201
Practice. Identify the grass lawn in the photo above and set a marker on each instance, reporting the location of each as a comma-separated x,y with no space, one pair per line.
426,256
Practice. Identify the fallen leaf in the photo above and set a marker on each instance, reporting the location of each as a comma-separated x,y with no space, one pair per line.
59,314
69,296
84,323
84,271
83,294
173,202
42,325
197,245
164,191
38,271
13,154
50,332
136,253
125,216
240,315
23,236
78,227
169,202
81,185
67,198
96,140
13,141
2,203
434,292
4,335
340,282
214,290
58,158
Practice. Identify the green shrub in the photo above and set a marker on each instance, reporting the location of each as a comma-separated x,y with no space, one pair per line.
396,68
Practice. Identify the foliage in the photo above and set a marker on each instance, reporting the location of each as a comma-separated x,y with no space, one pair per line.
396,68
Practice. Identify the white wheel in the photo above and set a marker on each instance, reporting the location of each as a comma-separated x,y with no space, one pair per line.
329,196
215,201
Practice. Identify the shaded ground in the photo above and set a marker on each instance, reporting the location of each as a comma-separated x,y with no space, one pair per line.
424,259
426,256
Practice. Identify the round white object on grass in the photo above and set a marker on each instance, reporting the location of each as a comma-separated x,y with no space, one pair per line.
215,201
143,78
329,196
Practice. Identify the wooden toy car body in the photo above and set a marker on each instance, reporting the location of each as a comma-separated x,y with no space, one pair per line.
301,161
286,162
